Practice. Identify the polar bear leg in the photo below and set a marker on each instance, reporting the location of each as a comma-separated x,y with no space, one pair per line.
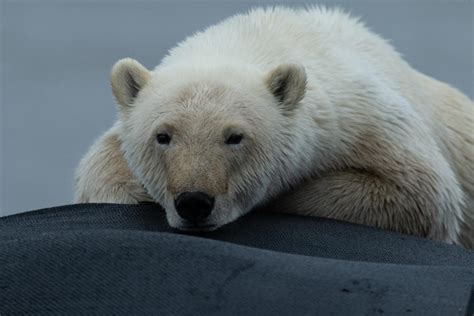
104,177
364,198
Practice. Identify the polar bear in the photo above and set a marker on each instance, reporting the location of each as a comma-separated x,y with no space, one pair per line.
303,111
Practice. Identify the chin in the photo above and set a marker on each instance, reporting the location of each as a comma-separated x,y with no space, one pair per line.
205,225
197,228
183,225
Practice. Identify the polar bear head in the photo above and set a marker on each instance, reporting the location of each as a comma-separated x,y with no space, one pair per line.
207,143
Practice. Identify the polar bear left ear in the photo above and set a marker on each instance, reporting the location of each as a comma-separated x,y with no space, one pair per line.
287,83
127,78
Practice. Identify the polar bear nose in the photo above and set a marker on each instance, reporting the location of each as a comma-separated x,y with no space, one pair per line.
194,206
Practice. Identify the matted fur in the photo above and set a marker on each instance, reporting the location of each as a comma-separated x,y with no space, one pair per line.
335,124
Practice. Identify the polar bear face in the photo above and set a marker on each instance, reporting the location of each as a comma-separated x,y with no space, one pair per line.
205,143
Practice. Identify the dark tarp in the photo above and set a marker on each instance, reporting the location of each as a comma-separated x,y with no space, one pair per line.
124,259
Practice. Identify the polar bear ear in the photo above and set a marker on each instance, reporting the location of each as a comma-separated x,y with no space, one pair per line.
127,78
287,83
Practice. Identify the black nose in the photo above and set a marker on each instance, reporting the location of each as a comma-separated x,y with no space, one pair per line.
194,206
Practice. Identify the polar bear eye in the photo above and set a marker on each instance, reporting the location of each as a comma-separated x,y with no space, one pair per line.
234,139
163,139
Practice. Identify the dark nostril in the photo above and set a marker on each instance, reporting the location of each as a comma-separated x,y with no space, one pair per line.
194,206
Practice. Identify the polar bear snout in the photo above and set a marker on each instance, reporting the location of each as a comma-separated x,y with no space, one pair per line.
194,206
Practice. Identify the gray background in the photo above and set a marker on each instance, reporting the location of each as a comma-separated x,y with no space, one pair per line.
56,57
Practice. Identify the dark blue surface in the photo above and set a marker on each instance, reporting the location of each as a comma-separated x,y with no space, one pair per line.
121,259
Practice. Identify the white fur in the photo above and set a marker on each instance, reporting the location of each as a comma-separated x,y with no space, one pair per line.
373,141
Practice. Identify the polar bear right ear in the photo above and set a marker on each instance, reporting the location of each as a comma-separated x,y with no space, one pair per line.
127,78
287,83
